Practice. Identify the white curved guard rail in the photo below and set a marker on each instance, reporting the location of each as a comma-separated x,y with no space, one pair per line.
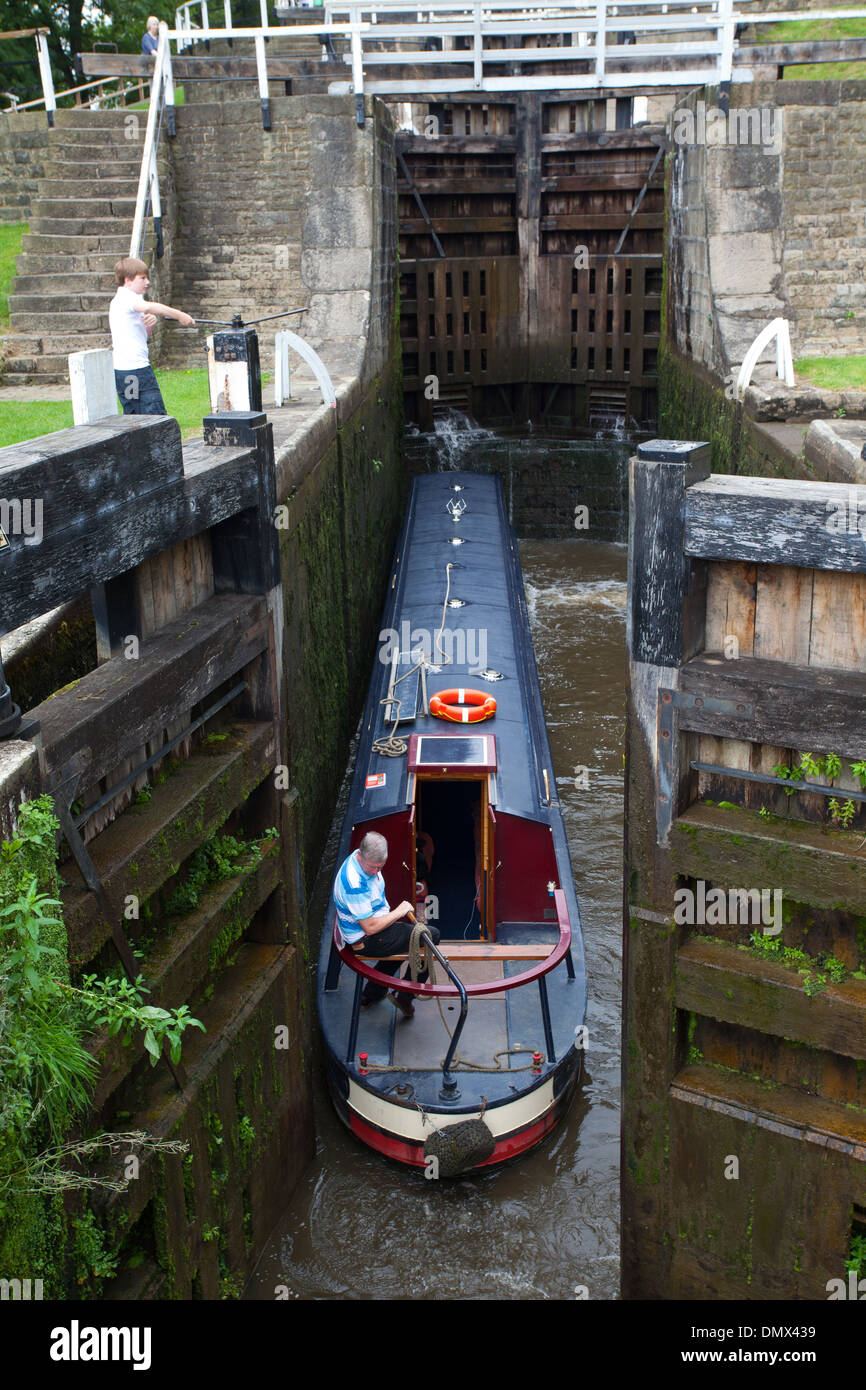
778,329
284,340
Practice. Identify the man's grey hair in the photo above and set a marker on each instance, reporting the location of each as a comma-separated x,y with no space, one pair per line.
374,847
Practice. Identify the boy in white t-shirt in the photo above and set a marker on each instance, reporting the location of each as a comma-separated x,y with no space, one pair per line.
131,318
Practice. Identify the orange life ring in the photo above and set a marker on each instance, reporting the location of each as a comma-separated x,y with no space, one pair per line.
463,706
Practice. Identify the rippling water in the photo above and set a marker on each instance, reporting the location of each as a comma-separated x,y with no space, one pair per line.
546,1225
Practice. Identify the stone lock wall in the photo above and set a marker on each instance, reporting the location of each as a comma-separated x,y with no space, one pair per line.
284,219
23,144
768,225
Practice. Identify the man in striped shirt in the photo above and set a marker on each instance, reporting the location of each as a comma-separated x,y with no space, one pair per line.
367,924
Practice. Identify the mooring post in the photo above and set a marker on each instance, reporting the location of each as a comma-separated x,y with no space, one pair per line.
234,370
91,383
664,626
665,595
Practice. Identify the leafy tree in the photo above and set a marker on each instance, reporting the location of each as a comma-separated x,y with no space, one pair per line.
75,26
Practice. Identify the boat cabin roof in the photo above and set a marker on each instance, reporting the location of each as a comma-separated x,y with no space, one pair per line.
489,631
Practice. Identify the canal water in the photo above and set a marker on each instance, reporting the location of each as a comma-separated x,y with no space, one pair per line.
546,1225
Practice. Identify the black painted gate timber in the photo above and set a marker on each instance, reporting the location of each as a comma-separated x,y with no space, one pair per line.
531,262
178,548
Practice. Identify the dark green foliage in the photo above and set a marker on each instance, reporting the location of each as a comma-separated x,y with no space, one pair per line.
46,1072
74,29
220,858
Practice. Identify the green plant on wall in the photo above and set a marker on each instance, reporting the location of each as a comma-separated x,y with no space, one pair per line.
815,971
219,859
47,1073
828,768
857,1253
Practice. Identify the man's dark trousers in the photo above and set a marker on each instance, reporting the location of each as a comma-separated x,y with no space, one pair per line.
393,941
139,392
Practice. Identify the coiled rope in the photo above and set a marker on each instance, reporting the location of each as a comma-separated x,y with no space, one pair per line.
390,746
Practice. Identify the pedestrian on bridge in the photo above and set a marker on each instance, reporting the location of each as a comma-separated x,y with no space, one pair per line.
131,318
150,37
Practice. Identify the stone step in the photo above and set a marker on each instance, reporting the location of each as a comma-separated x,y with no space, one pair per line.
123,164
22,369
84,208
35,378
72,307
59,189
97,281
84,117
73,320
115,141
38,344
107,241
76,260
82,226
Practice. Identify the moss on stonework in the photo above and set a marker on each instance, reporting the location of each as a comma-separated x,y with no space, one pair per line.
335,564
56,661
692,406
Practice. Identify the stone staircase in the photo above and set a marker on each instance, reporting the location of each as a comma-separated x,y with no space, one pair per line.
80,223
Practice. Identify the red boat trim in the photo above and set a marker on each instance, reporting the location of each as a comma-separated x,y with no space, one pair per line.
413,1154
558,953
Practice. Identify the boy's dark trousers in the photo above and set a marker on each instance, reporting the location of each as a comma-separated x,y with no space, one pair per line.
393,941
139,391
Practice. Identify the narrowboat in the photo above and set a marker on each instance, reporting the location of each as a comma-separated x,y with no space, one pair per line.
467,802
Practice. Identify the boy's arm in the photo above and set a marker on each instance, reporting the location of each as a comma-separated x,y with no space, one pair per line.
165,311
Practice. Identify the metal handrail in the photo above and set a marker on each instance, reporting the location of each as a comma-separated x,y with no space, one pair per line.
449,1085
598,18
161,96
558,953
73,91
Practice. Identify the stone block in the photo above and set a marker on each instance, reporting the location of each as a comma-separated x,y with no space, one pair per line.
337,315
327,271
744,264
834,447
749,210
338,218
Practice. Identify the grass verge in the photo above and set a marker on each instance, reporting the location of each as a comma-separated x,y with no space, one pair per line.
833,373
802,30
185,394
10,246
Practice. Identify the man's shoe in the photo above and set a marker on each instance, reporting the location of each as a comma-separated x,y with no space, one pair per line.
368,1003
401,1002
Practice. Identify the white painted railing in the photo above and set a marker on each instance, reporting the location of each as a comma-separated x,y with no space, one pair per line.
626,44
284,340
779,330
99,98
597,30
161,98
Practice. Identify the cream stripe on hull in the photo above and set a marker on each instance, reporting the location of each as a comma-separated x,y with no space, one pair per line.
407,1122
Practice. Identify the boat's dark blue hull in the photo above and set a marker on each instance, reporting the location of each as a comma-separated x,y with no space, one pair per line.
500,888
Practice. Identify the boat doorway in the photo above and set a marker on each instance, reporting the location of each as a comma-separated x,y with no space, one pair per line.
450,845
